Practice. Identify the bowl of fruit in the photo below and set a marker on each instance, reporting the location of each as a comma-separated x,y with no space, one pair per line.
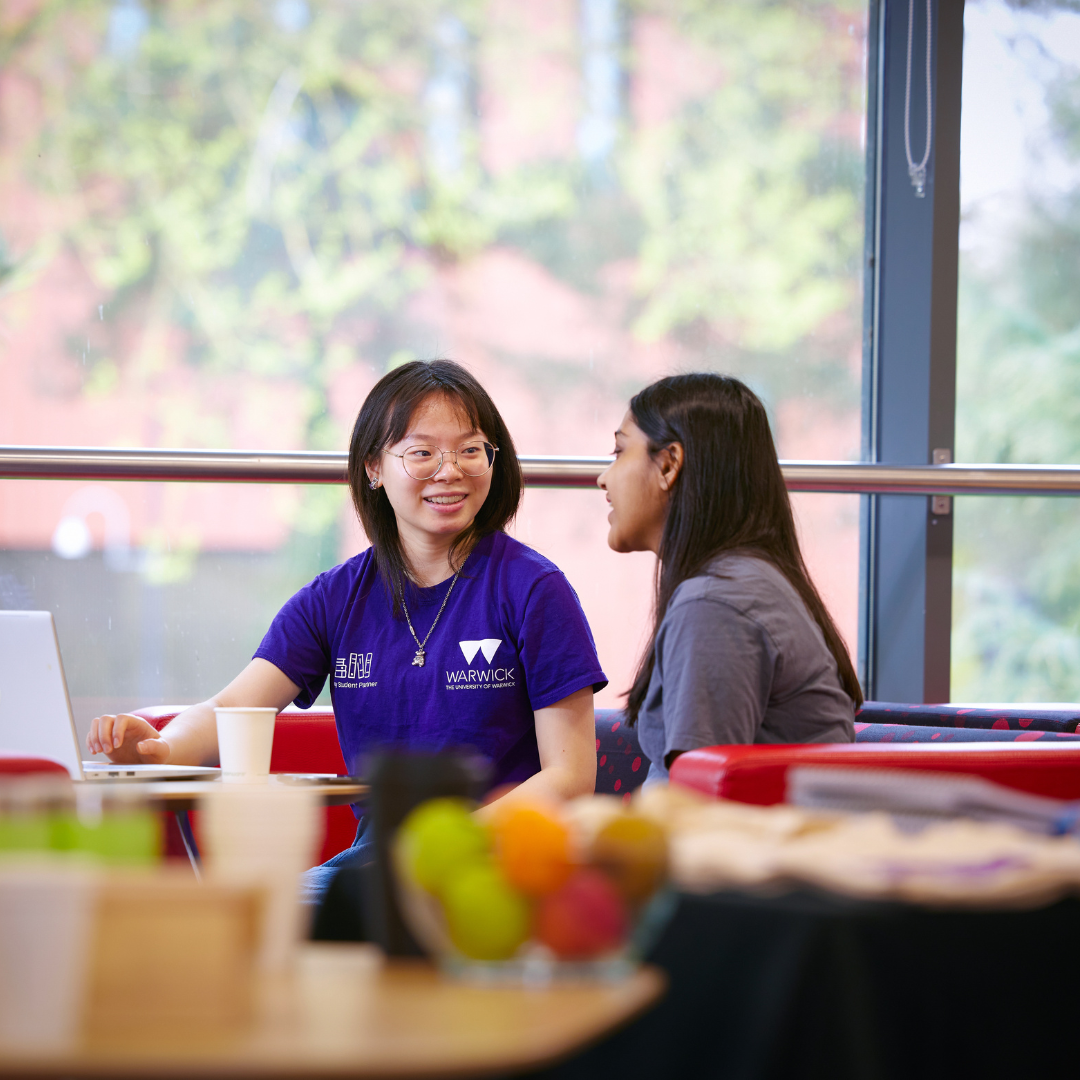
531,892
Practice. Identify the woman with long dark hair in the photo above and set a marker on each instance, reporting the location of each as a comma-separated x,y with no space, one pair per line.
742,648
445,632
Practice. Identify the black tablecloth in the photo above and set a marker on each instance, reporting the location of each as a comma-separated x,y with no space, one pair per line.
807,985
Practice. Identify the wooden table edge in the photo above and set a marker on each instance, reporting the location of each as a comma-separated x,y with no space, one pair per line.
647,985
185,794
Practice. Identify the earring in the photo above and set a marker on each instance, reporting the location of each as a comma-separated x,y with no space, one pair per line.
374,484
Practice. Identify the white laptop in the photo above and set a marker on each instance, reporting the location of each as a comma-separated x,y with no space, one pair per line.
35,710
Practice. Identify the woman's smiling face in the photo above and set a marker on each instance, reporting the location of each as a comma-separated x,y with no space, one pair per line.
637,491
441,507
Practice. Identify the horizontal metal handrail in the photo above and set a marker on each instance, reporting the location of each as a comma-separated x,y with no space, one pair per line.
85,463
866,478
319,467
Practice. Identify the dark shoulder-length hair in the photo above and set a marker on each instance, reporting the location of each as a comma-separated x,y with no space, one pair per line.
384,419
729,496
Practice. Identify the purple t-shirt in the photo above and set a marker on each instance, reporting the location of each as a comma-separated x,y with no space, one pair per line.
512,639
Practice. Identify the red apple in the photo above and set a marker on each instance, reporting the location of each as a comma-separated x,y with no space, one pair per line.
585,918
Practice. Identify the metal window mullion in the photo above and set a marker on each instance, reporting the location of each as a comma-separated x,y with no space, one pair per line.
909,396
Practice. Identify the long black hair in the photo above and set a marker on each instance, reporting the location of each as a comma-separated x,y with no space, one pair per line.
729,496
384,419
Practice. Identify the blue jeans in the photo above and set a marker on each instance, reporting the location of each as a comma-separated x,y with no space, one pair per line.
315,882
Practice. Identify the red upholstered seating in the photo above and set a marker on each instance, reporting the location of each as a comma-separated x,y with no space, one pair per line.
304,741
19,764
758,774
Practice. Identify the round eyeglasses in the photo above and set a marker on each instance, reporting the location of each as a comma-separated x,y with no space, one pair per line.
423,462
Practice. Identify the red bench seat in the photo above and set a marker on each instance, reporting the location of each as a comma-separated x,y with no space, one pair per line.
758,774
15,763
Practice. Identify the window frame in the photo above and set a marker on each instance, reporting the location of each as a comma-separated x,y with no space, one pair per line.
909,362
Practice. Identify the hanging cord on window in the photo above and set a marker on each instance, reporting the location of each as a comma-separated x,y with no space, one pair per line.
917,172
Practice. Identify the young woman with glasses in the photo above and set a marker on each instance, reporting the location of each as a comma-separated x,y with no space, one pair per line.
742,649
445,632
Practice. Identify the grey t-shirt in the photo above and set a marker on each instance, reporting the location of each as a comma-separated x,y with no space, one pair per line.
740,659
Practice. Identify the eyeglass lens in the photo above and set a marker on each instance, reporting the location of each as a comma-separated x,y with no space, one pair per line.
473,459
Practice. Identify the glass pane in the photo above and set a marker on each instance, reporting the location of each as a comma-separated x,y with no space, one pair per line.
1016,633
151,611
160,592
1016,623
570,527
221,223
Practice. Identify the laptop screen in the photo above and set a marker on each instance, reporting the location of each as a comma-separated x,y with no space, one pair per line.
35,712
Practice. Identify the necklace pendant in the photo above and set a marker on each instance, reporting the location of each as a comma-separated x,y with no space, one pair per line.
418,659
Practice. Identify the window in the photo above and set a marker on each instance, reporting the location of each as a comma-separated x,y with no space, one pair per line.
221,223
1016,628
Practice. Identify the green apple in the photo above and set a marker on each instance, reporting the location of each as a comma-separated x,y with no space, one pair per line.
486,918
438,838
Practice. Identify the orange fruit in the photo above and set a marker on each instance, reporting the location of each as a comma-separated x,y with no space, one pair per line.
533,849
632,851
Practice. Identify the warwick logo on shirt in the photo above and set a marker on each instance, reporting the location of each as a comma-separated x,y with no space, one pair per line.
353,672
479,678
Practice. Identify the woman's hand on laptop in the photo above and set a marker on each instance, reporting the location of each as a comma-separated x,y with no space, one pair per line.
127,739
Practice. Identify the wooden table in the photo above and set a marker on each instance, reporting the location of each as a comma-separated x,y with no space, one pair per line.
342,1017
180,796
177,795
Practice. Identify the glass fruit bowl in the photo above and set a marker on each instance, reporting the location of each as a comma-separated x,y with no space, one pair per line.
533,892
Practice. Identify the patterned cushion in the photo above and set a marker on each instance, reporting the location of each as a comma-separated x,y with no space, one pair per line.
621,767
907,733
1001,718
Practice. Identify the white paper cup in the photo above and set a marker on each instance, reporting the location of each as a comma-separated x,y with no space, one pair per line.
46,917
265,836
245,739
